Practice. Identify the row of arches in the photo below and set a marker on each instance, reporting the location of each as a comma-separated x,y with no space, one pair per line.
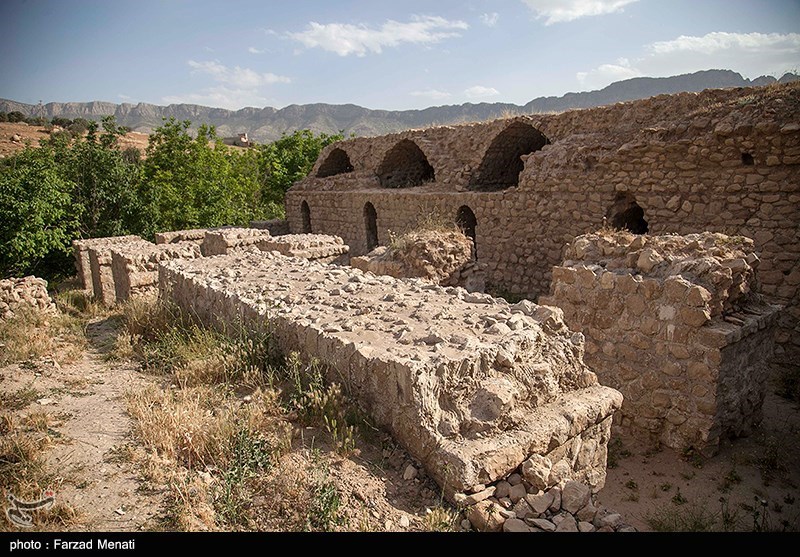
406,166
625,214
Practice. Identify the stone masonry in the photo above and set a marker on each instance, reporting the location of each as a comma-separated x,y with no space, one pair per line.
673,322
221,241
722,160
471,386
322,247
100,264
24,292
80,249
135,266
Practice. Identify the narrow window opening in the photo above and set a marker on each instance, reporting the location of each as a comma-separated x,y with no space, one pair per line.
305,212
466,221
371,226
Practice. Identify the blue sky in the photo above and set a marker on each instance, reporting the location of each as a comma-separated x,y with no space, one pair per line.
389,55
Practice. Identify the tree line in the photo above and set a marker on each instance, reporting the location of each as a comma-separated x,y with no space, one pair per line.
89,187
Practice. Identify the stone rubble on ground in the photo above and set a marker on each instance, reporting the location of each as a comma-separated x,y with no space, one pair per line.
29,291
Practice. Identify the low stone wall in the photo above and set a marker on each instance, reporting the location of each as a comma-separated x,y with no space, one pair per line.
100,264
276,227
21,292
673,322
321,247
445,257
471,386
80,249
222,241
177,236
135,265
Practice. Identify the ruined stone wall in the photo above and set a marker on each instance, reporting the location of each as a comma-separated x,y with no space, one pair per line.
722,160
135,266
24,292
321,247
221,241
80,250
176,236
102,275
674,324
276,227
470,385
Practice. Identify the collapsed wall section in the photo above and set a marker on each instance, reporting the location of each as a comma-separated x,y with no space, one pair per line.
222,241
674,323
470,385
101,271
319,247
134,266
80,250
28,291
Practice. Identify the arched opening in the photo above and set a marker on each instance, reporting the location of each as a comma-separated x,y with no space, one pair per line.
338,162
502,162
626,214
466,221
405,166
371,226
305,212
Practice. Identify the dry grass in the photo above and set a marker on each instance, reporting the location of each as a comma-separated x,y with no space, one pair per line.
23,472
31,334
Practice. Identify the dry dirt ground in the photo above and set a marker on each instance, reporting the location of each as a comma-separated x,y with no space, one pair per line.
32,134
752,484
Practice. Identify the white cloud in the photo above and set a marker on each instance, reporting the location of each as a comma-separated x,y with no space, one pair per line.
238,87
481,92
237,76
433,94
557,11
254,50
750,54
490,20
125,98
607,73
345,38
221,97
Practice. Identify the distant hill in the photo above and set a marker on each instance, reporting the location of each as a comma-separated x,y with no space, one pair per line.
266,124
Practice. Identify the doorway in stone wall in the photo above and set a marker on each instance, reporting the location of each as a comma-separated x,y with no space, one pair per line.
627,214
371,226
468,223
305,212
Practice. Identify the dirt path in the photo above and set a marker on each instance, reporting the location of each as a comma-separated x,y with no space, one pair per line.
85,403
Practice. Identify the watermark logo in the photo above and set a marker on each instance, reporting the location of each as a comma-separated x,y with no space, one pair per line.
19,512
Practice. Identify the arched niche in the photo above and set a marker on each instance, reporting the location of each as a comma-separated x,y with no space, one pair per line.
502,162
305,213
468,223
627,214
405,166
337,162
371,226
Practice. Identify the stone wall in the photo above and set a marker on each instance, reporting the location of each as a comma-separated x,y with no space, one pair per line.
100,265
221,241
276,227
80,250
24,292
721,160
135,266
445,257
176,236
673,322
321,247
471,386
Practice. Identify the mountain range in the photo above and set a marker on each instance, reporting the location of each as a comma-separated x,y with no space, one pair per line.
267,124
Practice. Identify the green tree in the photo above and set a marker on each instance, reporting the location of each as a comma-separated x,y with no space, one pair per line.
288,160
37,217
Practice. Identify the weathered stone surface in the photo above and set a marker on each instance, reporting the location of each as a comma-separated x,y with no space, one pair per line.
134,266
574,496
100,263
486,517
586,527
221,241
568,524
276,227
478,434
503,489
542,524
541,502
308,246
80,249
536,471
697,309
30,292
517,492
515,525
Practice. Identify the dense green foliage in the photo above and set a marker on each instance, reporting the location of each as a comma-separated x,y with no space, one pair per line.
86,187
